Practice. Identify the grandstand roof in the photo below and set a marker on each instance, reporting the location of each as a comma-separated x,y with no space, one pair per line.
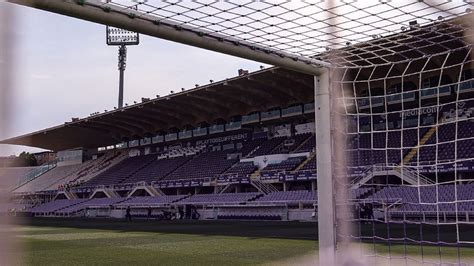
261,90
240,95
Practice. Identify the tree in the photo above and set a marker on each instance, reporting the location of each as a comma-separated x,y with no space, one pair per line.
27,159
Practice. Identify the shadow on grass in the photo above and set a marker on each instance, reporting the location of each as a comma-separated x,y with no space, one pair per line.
430,235
250,229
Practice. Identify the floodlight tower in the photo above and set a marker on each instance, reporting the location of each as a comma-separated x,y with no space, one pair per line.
121,38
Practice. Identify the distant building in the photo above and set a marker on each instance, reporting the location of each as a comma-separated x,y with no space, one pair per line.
8,161
44,157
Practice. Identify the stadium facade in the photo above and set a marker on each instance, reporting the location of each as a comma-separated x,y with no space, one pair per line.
245,147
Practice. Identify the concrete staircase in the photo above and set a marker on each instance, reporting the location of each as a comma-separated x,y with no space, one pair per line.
152,191
123,180
265,188
302,164
304,142
223,189
261,186
70,195
406,174
35,173
255,174
422,142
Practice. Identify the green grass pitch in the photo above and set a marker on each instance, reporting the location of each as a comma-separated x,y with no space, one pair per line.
115,242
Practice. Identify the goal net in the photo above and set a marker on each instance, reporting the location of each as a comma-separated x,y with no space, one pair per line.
409,129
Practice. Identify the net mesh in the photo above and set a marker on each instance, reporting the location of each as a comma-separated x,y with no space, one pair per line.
403,84
402,79
362,32
410,140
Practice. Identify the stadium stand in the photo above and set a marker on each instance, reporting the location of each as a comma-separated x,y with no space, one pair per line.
13,176
158,169
204,165
94,167
267,146
286,165
308,143
122,171
272,161
242,169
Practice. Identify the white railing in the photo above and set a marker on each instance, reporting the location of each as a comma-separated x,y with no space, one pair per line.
367,172
413,176
407,174
263,187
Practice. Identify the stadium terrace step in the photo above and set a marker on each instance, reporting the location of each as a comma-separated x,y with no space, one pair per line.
177,167
252,152
123,180
289,196
99,166
279,142
205,165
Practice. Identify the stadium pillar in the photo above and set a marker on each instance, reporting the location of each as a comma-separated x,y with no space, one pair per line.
326,206
122,58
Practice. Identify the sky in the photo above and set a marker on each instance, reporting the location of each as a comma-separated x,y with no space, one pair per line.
64,69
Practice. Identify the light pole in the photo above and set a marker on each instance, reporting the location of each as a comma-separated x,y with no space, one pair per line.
122,38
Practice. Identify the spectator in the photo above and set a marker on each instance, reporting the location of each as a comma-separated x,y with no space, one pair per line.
149,212
370,212
128,215
362,210
194,213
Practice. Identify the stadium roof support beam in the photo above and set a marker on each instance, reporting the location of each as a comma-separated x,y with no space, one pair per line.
114,135
219,104
139,128
176,111
242,92
123,131
92,10
204,112
294,78
275,91
150,124
168,117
